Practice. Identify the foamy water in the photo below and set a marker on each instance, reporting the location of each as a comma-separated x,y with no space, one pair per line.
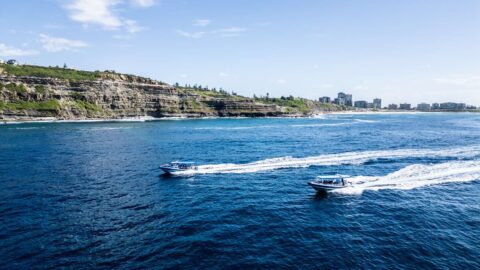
415,176
91,195
349,158
320,124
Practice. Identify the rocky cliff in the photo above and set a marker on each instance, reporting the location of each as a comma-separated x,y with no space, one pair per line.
111,95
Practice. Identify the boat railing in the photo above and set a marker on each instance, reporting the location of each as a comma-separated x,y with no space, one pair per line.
332,180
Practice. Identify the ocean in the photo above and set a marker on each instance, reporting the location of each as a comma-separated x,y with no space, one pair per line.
91,195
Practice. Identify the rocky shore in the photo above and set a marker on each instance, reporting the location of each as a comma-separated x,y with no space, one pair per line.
120,96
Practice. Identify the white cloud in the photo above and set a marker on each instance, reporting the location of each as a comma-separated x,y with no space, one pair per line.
281,81
222,74
326,85
97,12
202,22
184,75
225,32
102,13
361,87
230,32
57,44
143,3
54,26
11,51
132,26
466,81
191,34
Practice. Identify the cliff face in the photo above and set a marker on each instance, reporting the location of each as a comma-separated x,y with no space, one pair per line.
27,97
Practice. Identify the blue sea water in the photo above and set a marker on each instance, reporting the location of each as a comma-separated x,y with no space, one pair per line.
90,195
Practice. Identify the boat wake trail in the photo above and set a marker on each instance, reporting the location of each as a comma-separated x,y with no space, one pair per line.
349,158
415,176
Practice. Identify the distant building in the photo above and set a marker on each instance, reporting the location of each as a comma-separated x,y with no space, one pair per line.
369,105
470,107
377,103
340,100
452,106
461,106
361,104
324,99
12,62
344,99
393,107
349,100
423,107
405,106
435,106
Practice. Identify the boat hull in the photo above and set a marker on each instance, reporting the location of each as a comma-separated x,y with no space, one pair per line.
173,171
169,170
322,187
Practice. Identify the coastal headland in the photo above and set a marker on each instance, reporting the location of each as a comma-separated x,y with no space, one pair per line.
30,93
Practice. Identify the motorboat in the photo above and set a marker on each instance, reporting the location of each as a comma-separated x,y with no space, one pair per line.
177,167
329,183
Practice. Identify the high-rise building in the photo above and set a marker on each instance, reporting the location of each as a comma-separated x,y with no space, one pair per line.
393,107
344,99
324,99
349,100
362,104
423,107
451,106
405,106
377,103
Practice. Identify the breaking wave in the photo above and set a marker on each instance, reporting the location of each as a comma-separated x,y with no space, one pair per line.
415,176
107,128
348,158
353,122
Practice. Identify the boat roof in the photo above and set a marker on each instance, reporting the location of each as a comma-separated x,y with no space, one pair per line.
183,162
330,176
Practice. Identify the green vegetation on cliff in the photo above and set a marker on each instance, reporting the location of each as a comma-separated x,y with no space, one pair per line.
88,106
289,102
40,89
18,88
50,72
69,93
50,105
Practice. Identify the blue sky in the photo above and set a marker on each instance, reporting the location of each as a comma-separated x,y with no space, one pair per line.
400,51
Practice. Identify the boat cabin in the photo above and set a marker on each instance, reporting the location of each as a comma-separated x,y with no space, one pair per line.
182,165
332,180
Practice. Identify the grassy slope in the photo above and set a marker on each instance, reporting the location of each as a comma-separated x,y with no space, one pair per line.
292,104
51,105
50,72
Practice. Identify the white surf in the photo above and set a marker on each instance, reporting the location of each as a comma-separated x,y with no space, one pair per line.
416,176
348,158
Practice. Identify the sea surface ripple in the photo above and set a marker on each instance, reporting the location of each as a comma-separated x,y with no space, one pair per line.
90,195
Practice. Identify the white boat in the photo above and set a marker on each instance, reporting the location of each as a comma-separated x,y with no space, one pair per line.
176,167
328,183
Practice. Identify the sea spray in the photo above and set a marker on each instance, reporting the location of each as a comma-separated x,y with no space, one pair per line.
351,122
417,175
348,158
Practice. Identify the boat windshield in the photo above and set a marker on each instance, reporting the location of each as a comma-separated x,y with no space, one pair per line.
331,180
183,165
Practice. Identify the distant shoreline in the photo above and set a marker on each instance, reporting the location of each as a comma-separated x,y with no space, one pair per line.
189,117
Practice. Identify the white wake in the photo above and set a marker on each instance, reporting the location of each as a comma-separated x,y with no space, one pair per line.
348,158
415,176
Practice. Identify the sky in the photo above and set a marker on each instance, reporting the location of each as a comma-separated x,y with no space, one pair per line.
401,51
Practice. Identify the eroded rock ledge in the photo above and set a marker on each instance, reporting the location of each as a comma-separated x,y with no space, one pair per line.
24,97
